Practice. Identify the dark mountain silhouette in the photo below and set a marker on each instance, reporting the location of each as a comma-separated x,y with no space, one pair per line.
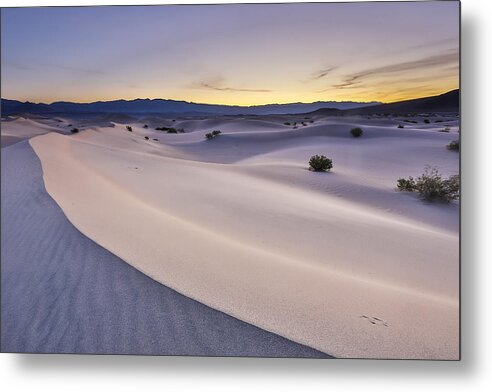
166,106
447,102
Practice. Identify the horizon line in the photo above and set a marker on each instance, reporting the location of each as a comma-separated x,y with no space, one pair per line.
224,104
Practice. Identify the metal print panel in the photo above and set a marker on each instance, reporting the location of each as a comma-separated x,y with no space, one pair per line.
258,180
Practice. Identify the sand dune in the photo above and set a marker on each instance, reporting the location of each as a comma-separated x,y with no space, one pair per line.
336,261
62,293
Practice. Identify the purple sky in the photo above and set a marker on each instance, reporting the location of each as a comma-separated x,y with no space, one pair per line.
232,54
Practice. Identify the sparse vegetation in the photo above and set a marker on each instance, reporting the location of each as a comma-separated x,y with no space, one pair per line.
406,184
287,123
156,140
170,129
401,126
320,163
145,126
356,132
129,128
431,186
74,130
146,138
438,121
454,145
445,129
212,135
427,121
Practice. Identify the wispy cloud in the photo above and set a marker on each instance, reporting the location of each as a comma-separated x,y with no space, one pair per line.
217,85
441,42
87,71
321,73
445,59
18,66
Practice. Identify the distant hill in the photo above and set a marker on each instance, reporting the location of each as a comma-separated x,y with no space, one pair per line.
166,106
447,102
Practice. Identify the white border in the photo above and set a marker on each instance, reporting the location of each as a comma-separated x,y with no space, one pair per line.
37,373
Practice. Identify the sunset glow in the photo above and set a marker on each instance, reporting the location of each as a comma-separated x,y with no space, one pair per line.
232,54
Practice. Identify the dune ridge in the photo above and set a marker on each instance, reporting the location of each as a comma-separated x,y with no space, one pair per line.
62,293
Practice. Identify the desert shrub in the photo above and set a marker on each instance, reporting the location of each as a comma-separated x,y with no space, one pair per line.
406,184
209,136
216,133
356,132
454,145
287,123
145,126
74,130
172,130
146,138
401,126
438,121
427,121
431,186
156,140
320,163
129,128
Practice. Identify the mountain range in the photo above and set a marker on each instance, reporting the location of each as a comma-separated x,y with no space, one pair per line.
447,102
166,106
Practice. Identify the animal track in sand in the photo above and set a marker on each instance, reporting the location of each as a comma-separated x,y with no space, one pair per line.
375,321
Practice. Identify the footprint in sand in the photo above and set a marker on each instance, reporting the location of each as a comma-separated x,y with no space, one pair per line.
375,321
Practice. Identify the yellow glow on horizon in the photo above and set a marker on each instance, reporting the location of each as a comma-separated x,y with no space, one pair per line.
384,95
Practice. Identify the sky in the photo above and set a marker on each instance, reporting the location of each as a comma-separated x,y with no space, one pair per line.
231,54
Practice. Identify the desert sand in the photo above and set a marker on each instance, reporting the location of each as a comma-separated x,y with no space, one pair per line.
336,261
63,293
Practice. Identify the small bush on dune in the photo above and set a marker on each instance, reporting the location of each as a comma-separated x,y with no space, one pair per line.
74,130
401,126
446,130
427,121
406,184
145,126
356,132
320,163
454,145
287,123
146,138
431,186
212,135
129,128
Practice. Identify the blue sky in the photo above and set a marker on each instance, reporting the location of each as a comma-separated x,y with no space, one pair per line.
232,54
